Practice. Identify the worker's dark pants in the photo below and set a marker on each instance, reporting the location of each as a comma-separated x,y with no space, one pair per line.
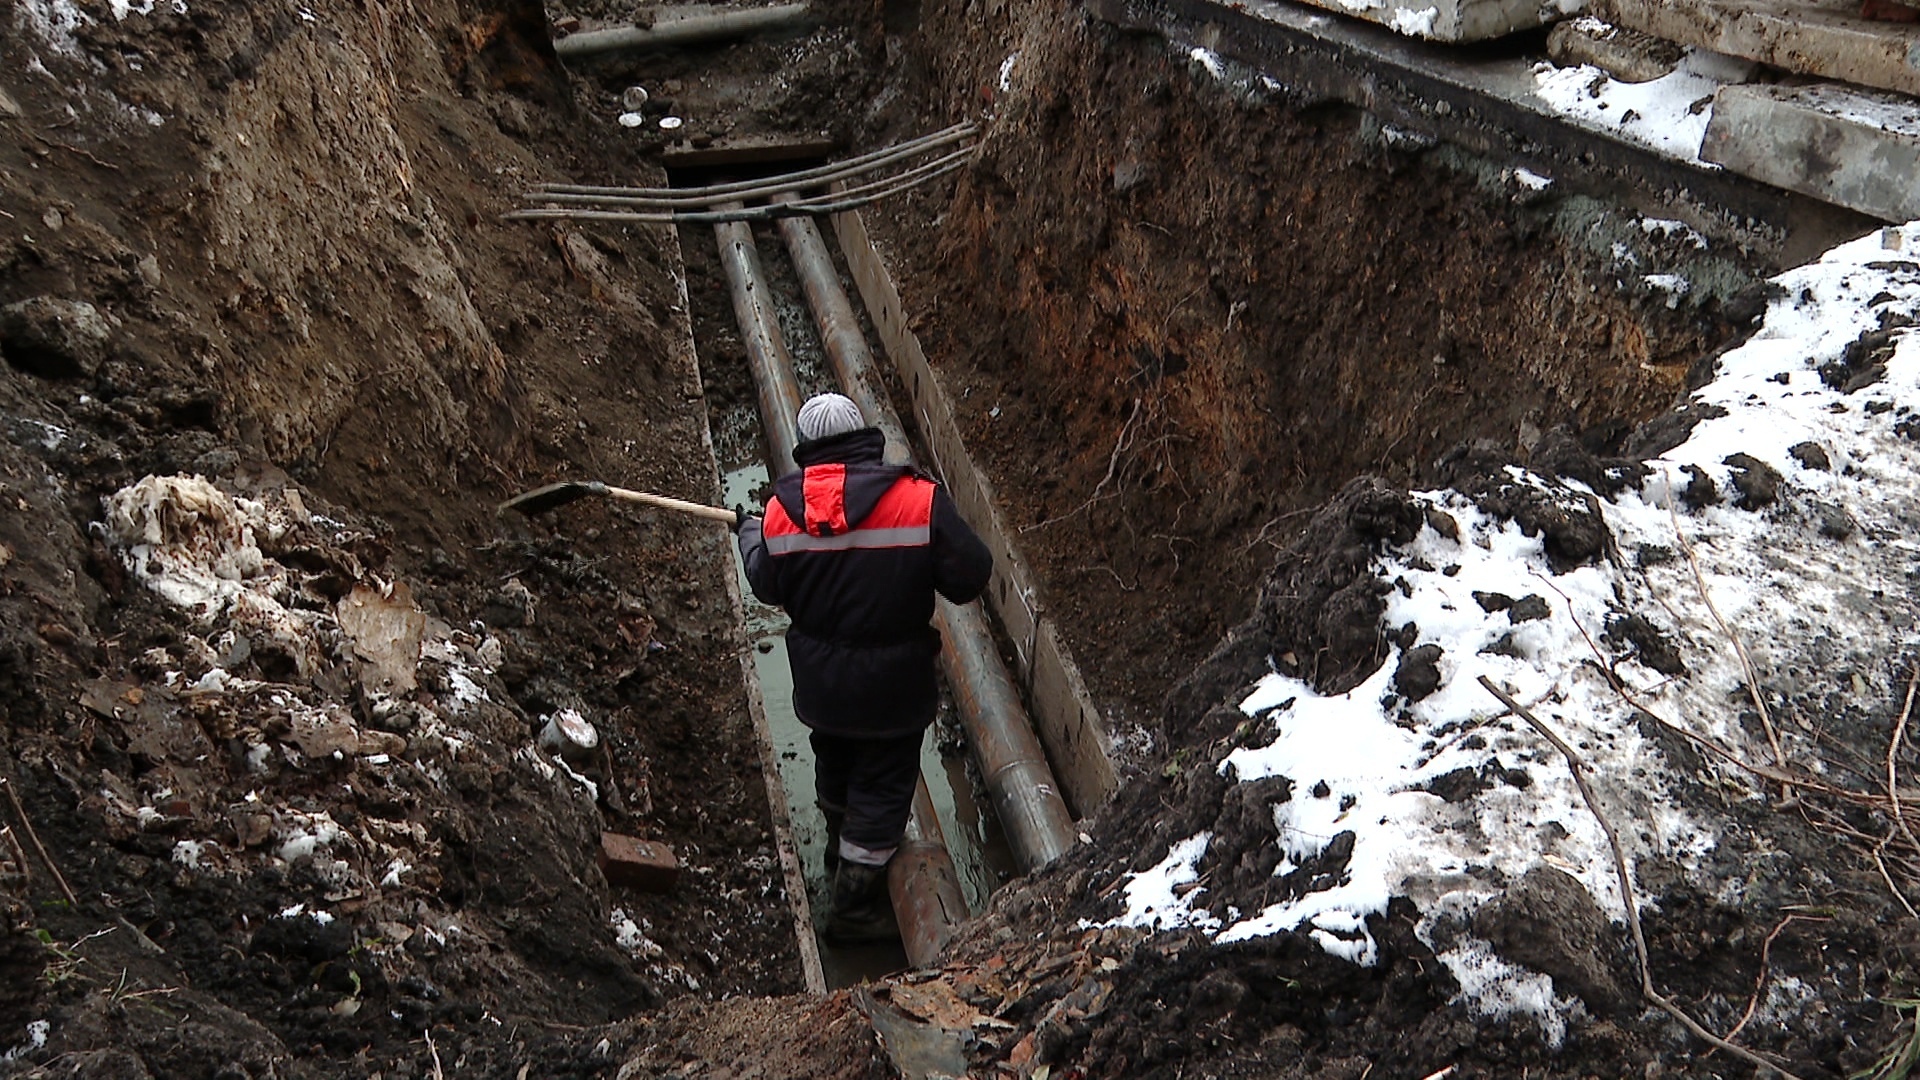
873,780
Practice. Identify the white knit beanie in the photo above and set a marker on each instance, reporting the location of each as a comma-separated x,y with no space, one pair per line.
829,414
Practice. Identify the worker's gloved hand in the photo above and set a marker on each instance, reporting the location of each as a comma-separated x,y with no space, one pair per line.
740,519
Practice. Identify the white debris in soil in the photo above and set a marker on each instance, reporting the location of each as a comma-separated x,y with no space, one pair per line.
1208,59
1674,285
1530,180
1492,988
631,937
1819,582
1668,114
1006,70
54,22
1665,229
37,1032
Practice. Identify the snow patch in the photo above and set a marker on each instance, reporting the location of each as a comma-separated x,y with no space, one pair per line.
1154,897
1668,114
1496,990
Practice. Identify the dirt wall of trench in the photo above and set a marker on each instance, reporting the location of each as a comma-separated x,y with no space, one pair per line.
1177,309
263,246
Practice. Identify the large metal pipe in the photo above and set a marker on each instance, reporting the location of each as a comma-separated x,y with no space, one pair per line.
704,26
1012,762
921,880
766,347
925,888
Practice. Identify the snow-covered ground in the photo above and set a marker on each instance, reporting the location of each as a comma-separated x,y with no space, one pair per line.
1817,581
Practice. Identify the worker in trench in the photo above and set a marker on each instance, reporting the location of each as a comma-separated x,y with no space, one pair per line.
854,549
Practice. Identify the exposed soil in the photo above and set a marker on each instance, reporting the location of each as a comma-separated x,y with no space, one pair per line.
1201,338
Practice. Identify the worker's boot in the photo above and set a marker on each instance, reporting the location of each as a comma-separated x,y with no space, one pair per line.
862,911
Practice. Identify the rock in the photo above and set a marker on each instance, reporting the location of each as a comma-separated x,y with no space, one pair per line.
8,107
1757,482
1700,491
1835,522
1548,923
1811,455
1491,602
1652,645
1419,672
1131,174
385,627
54,338
1529,608
1443,523
511,605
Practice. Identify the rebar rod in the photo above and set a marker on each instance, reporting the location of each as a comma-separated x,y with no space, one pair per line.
815,177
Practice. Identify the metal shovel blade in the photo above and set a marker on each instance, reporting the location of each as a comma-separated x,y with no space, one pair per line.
542,499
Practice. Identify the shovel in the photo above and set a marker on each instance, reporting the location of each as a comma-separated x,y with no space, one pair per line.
541,500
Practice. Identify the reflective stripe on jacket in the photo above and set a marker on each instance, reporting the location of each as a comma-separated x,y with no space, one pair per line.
854,550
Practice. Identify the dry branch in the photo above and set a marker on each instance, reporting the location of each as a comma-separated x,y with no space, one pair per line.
1739,647
26,825
1579,770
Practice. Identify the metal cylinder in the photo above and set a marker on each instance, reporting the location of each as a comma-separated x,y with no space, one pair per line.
766,347
1014,766
927,901
840,330
1013,763
692,29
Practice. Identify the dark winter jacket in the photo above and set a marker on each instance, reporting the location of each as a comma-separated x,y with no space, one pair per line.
854,550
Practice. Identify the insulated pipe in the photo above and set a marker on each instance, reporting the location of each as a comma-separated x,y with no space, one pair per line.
1012,762
686,30
921,879
924,887
766,347
840,331
817,176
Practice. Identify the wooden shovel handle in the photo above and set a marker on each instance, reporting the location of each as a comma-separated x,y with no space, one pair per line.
716,513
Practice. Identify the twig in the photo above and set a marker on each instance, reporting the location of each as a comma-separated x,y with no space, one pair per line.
1271,522
1579,771
1881,865
27,825
1893,766
1739,647
435,1054
1120,444
1760,983
71,149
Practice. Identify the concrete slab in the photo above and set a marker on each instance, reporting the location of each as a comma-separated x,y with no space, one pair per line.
1855,148
1489,104
1826,38
748,150
1454,20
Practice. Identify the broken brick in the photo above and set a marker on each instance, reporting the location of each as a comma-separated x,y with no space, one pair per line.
633,863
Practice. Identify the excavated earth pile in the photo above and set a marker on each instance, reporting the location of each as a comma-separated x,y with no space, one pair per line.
1240,366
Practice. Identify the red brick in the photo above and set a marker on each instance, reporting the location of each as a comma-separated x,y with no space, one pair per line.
632,863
